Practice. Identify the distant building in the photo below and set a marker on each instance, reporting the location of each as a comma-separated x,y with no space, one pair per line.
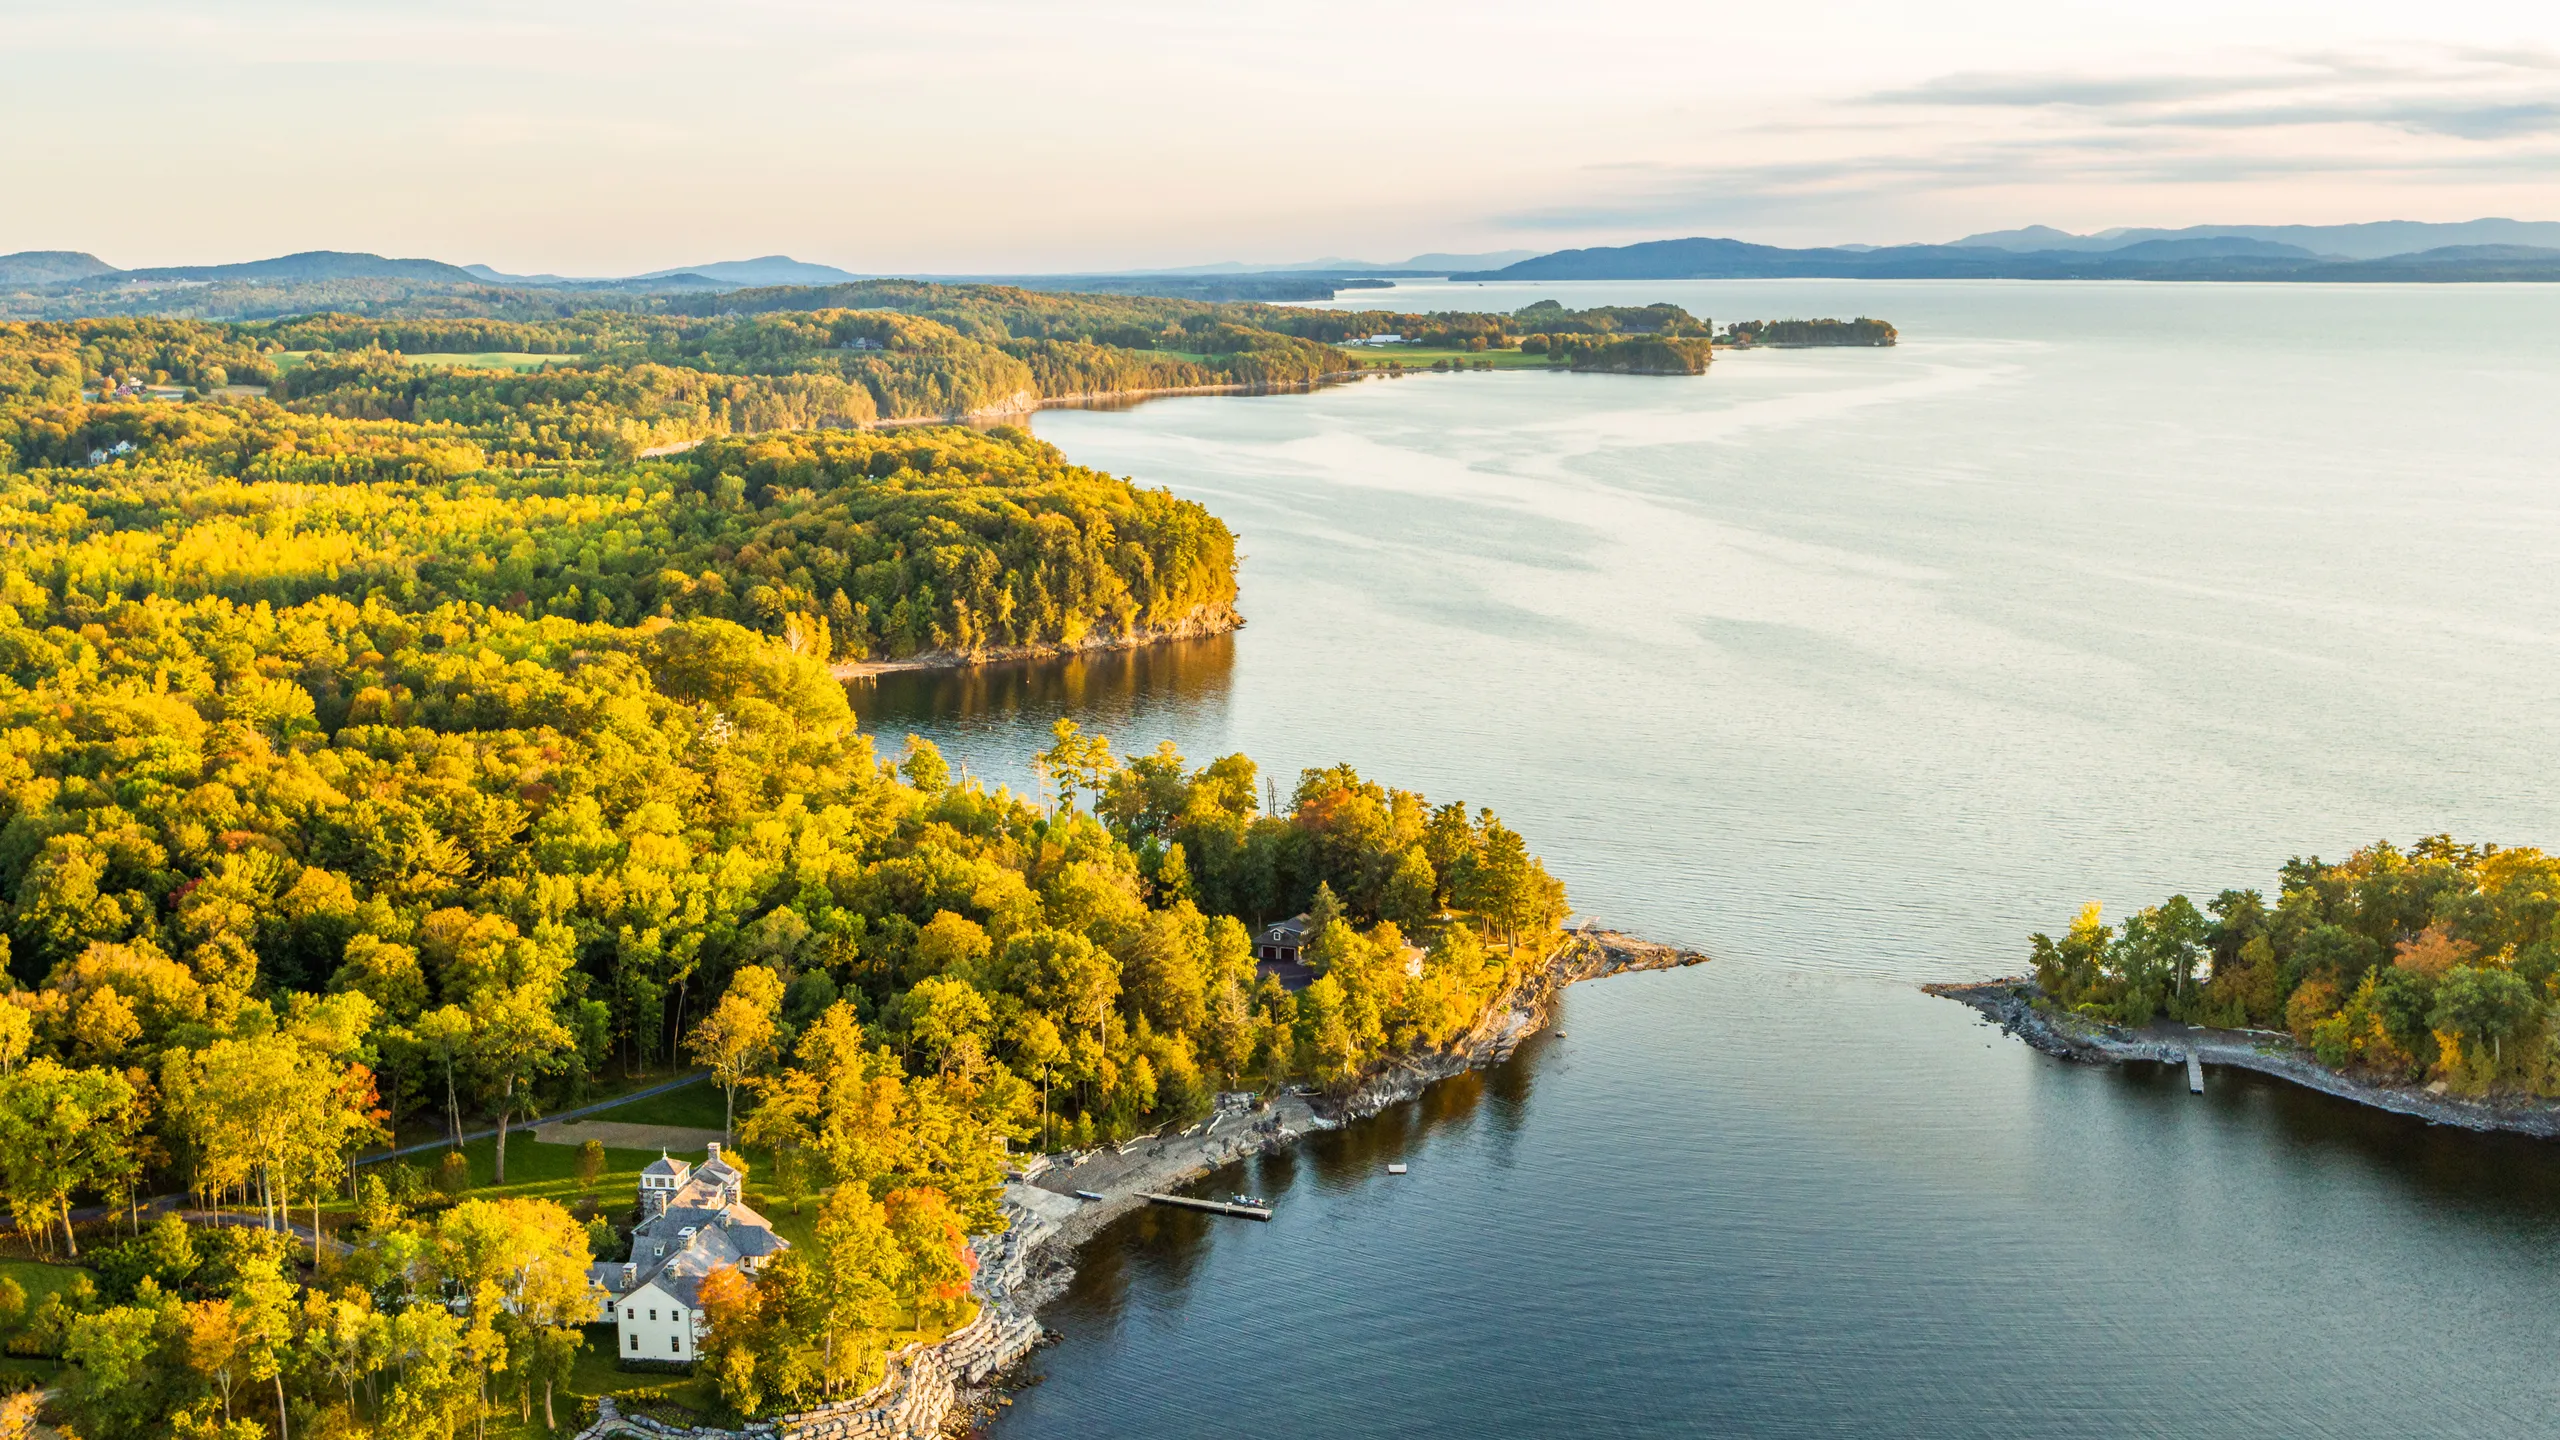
1280,953
693,1220
1284,940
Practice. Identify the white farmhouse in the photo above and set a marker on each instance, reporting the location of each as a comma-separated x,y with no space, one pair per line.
693,1220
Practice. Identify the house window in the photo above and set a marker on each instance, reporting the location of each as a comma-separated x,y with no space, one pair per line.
653,1315
630,1314
675,1344
635,1342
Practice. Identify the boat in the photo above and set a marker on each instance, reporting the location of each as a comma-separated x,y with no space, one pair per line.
1255,1201
1087,1195
1396,1169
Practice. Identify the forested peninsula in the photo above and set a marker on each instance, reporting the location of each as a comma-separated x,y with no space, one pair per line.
2424,979
401,755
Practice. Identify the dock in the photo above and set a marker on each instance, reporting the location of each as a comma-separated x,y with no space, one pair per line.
2195,1074
1214,1207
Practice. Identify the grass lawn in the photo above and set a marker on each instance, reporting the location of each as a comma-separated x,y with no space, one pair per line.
1421,356
696,1106
429,1124
39,1279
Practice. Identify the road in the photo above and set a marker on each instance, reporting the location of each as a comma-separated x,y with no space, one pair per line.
158,1203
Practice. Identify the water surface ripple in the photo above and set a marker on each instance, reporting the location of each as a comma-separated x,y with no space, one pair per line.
1851,667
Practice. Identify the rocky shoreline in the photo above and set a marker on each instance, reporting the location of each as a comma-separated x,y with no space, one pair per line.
949,1387
1207,621
2011,1004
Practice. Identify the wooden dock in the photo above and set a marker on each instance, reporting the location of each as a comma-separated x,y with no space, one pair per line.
2195,1074
1214,1207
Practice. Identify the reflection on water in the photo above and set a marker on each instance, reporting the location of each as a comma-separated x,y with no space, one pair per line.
993,717
1852,668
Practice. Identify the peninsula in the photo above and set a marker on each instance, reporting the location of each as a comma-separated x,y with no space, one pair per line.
2418,980
786,460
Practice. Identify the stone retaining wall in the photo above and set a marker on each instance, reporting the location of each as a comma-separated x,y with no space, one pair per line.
923,1383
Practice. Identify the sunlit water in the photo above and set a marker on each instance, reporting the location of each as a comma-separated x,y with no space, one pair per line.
1852,667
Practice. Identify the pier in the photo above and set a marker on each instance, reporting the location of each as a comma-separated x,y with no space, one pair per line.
1214,1207
2195,1074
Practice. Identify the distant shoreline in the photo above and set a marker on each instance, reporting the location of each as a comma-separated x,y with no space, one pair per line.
2011,1005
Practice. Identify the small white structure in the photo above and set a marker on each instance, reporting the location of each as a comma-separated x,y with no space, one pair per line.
693,1221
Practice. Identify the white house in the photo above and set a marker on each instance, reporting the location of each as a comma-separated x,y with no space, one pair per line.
693,1220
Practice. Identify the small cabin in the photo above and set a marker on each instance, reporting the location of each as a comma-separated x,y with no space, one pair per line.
1283,941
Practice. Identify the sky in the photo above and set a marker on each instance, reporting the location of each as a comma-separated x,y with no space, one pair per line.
984,136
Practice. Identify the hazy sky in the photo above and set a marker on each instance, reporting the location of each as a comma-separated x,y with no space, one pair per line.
980,135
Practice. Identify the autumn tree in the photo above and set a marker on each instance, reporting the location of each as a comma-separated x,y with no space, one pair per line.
737,1037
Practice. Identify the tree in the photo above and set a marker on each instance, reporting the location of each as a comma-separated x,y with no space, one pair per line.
114,1379
934,1258
1039,1051
737,1038
263,1304
2479,1003
945,1012
1074,762
61,1130
453,1173
517,1038
445,1037
590,1164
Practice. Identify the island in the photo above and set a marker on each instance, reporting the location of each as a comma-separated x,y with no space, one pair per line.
2415,979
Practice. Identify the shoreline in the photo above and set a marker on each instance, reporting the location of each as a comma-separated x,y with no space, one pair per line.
2010,1004
929,1390
1221,620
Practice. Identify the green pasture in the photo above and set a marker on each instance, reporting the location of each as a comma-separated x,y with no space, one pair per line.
1419,357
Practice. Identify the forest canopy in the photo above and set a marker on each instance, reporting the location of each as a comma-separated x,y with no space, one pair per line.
402,746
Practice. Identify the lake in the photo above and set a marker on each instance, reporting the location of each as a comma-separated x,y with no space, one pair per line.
1852,667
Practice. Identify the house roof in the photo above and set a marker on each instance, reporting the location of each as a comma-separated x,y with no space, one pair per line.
664,1168
725,1232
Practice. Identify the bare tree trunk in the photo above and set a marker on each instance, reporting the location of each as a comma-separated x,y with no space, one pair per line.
506,1110
282,1431
67,1237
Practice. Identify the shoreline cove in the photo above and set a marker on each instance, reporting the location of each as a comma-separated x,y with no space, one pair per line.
929,1390
1203,623
2010,1004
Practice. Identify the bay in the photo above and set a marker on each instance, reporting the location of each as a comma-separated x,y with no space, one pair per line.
1851,668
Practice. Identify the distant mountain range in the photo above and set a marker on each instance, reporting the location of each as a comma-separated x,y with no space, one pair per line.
2373,241
1437,262
56,284
2199,253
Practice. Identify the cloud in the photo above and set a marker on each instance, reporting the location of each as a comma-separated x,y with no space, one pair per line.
2470,94
2465,119
1736,195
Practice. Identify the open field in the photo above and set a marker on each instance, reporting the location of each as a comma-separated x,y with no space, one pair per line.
488,360
291,360
1414,357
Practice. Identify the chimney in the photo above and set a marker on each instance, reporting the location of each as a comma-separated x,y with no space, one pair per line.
715,1149
630,1275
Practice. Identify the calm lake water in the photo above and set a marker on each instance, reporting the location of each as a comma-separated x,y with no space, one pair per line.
1851,668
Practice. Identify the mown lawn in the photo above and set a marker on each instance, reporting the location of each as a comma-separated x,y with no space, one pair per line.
696,1106
39,1279
430,1123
